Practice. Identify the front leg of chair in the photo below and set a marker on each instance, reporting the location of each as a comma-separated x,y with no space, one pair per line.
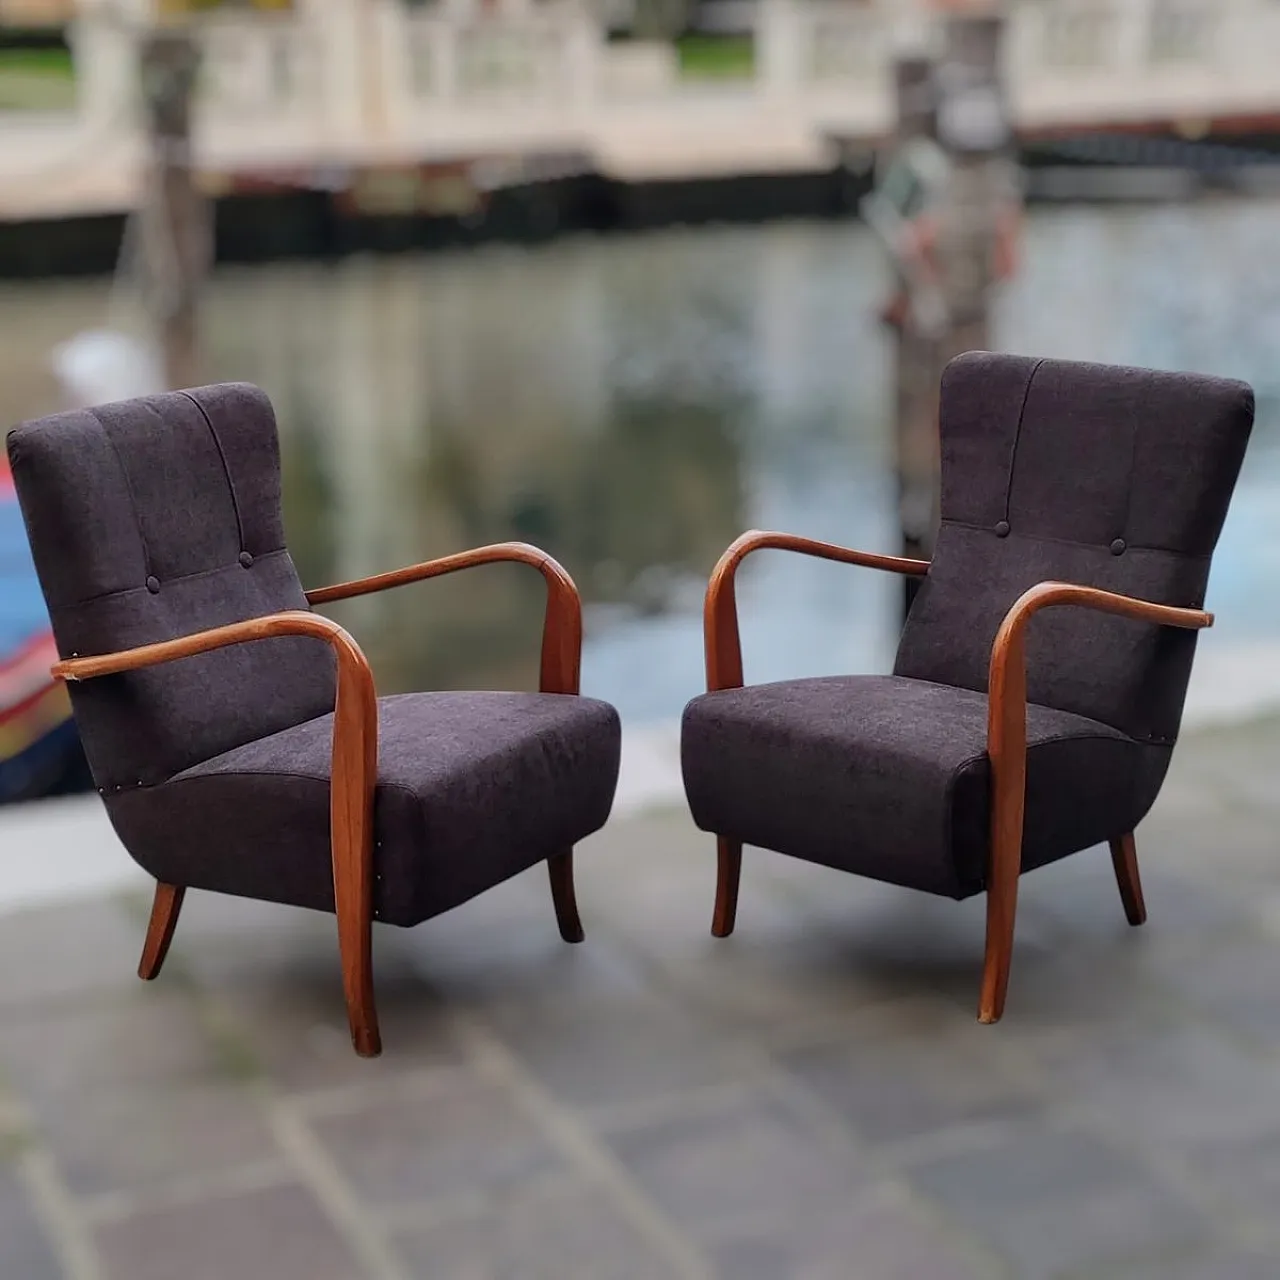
560,870
355,947
1002,908
164,918
728,876
353,781
560,672
1007,751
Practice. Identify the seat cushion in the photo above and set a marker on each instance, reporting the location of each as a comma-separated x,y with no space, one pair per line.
888,777
472,788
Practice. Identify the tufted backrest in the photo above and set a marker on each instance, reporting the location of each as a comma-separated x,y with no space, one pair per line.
1112,477
152,519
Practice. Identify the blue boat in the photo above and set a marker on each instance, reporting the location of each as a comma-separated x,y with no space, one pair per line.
40,751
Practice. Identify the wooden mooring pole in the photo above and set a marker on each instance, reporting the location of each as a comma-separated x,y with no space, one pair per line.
959,237
176,235
920,328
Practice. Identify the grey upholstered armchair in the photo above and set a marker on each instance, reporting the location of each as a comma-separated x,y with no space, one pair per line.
204,688
1041,675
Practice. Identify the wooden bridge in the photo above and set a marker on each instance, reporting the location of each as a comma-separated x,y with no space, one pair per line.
342,85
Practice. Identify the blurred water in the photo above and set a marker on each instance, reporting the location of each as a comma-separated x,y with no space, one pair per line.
632,404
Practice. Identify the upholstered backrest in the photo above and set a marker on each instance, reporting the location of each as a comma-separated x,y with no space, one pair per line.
1113,477
155,518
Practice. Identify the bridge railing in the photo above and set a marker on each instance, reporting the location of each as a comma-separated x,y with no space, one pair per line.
338,78
262,78
519,55
1076,61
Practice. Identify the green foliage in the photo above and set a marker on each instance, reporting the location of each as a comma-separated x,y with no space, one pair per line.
36,79
717,57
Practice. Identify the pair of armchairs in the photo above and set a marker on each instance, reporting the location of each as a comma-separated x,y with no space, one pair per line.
234,753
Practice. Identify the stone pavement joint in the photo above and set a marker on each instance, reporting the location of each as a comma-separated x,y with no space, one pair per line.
319,1172
576,1140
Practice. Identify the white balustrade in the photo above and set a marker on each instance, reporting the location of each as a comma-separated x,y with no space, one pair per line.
519,56
339,80
253,69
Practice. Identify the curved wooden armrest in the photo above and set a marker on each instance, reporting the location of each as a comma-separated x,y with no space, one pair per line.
562,626
1007,685
720,616
354,770
355,720
1007,745
292,623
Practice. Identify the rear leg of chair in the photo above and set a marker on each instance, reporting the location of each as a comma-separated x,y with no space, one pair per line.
1124,857
565,900
728,874
164,919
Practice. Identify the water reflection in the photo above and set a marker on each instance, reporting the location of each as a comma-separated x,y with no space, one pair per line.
633,404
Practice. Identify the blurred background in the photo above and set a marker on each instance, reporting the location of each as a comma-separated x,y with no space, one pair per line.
622,278
608,279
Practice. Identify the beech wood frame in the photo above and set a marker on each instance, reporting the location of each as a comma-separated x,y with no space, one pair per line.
1006,733
355,752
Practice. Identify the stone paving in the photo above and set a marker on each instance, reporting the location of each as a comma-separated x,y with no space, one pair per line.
812,1098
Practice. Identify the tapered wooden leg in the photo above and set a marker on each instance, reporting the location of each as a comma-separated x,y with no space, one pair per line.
353,904
1124,857
560,870
355,946
1002,908
164,918
729,872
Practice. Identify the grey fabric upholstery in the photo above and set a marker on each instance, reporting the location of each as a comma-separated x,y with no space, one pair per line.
1111,477
155,518
139,514
889,777
472,788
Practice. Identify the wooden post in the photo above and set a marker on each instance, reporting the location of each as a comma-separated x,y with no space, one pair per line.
961,247
918,352
176,231
973,126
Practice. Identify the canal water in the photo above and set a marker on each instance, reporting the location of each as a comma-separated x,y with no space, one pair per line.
632,404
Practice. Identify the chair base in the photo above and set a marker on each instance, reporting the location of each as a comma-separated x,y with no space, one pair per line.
1001,913
355,945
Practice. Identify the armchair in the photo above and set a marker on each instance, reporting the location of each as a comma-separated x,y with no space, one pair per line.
1092,495
236,754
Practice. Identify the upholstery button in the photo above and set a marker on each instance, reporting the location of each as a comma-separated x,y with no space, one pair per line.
1002,529
1117,547
153,585
246,559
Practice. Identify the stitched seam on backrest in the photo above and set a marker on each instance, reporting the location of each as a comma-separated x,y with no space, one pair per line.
185,577
1017,435
128,485
1069,542
226,467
